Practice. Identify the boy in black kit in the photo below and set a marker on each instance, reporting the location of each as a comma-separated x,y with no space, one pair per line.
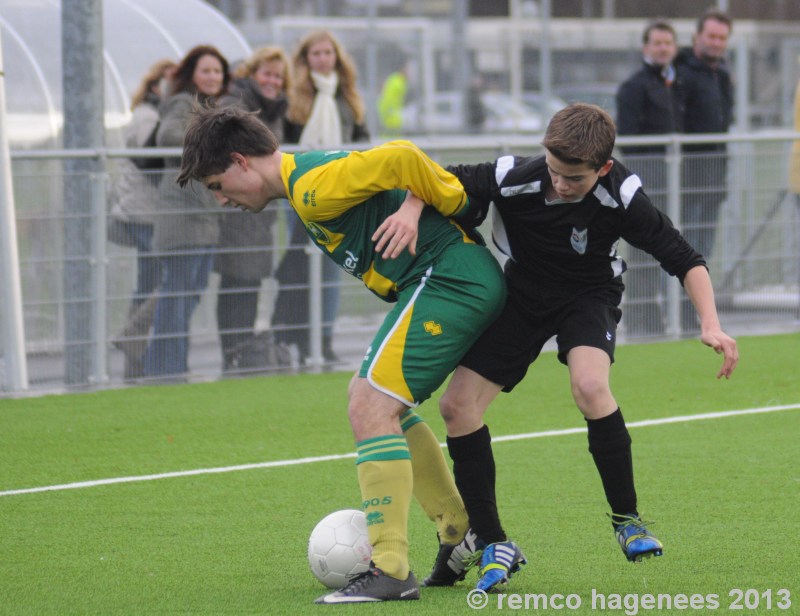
559,217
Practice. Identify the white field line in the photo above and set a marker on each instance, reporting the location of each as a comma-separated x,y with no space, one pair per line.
311,460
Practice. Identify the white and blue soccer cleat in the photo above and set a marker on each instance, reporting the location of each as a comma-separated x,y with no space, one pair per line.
498,563
635,539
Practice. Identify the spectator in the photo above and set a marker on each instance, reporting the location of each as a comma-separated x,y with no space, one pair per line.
647,104
476,112
393,98
704,86
187,228
132,216
325,111
246,246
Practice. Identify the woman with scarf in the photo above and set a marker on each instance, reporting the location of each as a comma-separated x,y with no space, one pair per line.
325,111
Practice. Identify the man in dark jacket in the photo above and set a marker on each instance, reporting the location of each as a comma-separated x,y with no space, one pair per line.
706,93
647,104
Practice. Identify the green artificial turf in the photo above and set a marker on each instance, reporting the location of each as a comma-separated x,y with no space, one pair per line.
722,491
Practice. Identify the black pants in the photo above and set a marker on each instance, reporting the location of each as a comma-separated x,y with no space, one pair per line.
644,279
704,179
237,305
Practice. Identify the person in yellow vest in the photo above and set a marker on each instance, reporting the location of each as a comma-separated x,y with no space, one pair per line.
391,101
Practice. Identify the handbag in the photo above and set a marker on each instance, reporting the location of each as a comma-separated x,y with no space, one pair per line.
118,232
153,163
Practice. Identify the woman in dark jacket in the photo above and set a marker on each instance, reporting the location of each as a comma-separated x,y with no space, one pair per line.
246,246
186,225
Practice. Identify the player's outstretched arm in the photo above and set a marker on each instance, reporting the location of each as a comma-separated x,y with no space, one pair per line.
698,287
401,164
400,230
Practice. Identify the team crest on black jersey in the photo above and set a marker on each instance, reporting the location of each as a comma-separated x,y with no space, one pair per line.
320,234
579,239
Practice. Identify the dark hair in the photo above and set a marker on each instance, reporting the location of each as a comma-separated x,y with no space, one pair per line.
182,78
659,24
581,133
214,134
715,15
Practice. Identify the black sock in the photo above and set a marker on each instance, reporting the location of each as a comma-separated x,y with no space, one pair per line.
610,446
474,470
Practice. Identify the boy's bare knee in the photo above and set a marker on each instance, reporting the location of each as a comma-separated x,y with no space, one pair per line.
450,406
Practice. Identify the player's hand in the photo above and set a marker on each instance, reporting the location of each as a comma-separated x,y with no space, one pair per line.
722,343
400,230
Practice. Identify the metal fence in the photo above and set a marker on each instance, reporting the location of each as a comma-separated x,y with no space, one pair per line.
82,293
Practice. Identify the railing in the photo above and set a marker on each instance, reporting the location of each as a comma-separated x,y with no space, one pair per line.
70,335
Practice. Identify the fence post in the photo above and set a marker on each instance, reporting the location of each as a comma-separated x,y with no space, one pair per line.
315,283
674,162
13,334
99,262
82,70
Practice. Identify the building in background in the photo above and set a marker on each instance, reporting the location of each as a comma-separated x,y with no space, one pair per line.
581,51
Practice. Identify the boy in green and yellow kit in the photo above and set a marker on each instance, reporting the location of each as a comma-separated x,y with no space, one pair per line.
445,285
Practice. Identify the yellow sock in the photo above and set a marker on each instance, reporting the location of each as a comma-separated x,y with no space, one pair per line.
386,481
434,486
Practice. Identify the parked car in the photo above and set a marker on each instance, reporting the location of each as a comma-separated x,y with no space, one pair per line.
603,94
503,114
535,100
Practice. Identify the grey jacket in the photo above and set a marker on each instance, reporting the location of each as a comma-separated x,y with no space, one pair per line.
246,244
185,217
133,195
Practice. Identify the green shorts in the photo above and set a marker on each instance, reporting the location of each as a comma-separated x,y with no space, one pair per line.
434,323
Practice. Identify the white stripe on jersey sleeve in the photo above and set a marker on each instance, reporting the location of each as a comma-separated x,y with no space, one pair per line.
604,197
616,266
499,235
530,187
629,187
503,165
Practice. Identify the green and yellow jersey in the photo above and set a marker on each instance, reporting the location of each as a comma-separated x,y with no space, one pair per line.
342,197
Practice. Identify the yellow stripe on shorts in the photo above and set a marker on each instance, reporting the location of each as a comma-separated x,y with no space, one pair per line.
386,371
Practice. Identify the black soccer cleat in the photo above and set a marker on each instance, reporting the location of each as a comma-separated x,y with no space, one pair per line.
453,561
372,586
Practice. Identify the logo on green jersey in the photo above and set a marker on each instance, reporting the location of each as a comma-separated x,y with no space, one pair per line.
310,198
432,327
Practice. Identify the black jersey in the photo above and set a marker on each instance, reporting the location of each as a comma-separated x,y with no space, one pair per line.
570,247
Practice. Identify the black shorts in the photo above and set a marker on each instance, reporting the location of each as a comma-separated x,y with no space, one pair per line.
513,342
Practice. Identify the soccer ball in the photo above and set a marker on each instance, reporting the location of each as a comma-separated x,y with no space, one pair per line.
339,547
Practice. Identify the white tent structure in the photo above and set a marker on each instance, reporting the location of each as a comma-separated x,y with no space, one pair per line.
136,33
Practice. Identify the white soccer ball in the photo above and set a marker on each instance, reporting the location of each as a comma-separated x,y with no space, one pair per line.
339,547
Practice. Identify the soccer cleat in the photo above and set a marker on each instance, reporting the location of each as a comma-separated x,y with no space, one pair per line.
453,561
636,541
374,585
498,563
